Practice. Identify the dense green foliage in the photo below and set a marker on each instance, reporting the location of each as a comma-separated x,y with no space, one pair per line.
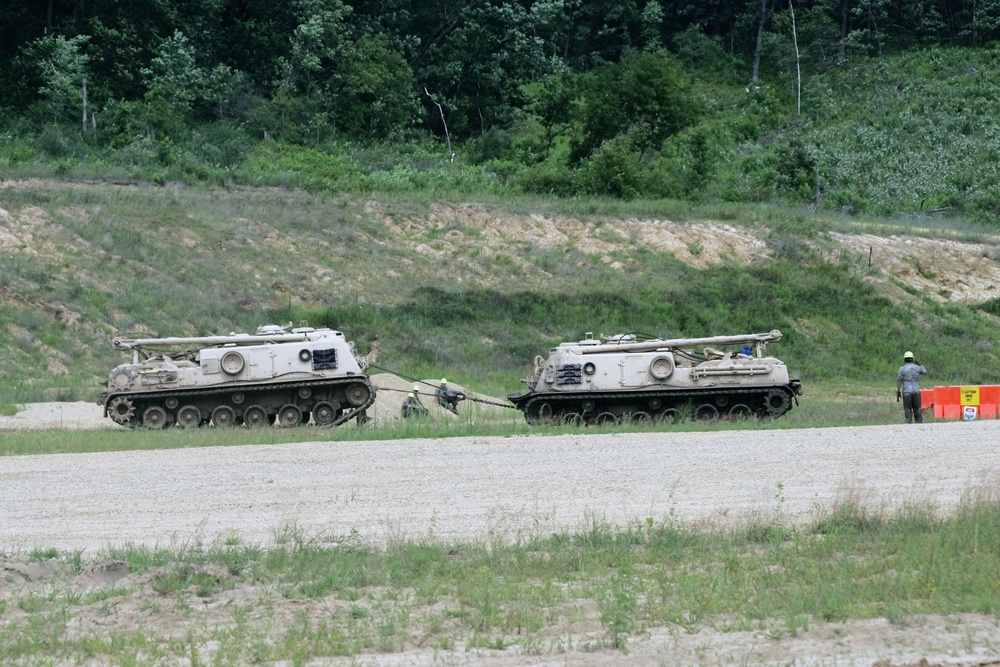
877,106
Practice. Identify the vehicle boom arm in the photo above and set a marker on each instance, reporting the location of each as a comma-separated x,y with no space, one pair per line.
758,338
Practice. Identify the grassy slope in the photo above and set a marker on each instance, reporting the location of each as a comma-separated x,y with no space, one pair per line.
86,262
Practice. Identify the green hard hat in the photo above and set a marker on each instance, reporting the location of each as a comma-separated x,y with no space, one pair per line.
907,355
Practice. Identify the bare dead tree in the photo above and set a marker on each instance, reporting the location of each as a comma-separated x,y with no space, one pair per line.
798,66
443,121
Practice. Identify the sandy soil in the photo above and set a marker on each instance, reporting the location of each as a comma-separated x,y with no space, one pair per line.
487,488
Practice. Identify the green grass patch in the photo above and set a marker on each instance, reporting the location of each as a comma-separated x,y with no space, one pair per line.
848,563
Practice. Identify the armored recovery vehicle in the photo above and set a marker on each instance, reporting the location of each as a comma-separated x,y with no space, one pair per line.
274,375
624,378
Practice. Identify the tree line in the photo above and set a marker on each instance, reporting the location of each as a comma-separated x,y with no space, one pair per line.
303,69
604,81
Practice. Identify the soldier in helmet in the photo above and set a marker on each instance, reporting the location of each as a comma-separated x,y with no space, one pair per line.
416,395
908,388
447,398
412,407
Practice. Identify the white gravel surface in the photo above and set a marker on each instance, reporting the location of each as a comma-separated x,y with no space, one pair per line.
484,488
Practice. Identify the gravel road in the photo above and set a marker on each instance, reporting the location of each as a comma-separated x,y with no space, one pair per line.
484,488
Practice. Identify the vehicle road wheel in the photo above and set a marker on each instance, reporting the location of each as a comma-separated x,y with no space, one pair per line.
154,418
740,411
189,417
606,418
639,418
357,394
255,416
670,416
289,416
546,414
706,412
224,417
324,413
572,419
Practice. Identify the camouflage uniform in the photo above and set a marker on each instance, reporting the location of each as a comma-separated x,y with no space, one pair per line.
908,382
416,397
412,407
447,398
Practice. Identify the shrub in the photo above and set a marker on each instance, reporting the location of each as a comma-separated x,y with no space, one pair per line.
547,179
613,170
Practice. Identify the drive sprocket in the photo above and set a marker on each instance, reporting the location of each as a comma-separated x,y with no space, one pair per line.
121,409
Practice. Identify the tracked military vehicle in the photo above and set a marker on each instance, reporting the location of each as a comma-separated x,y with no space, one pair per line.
627,379
273,376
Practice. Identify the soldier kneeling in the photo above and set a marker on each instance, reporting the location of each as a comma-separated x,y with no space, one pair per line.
448,398
412,407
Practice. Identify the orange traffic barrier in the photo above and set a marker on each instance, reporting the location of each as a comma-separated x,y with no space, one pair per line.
989,401
947,403
964,402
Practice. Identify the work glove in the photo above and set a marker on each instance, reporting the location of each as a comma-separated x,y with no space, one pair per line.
899,395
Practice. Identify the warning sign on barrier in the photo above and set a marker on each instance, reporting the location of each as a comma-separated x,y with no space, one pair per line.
969,396
953,402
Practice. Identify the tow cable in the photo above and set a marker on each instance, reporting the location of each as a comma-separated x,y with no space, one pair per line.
461,396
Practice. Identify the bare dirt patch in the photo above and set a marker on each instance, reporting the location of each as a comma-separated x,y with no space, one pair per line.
944,270
698,244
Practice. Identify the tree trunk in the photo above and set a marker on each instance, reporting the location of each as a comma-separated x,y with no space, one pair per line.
443,121
845,12
760,40
816,184
85,105
798,66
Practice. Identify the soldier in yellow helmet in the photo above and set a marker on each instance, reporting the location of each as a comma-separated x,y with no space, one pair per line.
447,398
412,407
908,388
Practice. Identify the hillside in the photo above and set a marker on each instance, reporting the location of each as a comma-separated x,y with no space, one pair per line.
475,289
